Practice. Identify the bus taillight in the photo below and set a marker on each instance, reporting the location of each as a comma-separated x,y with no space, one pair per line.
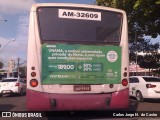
33,74
33,82
125,82
33,68
125,73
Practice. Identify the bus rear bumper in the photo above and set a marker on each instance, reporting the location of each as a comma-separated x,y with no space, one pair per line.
38,101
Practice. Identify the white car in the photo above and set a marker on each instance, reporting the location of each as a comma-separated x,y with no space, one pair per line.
12,85
143,87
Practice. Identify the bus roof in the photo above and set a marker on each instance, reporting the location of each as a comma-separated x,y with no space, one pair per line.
34,6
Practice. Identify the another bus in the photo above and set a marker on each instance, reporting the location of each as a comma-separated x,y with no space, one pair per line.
77,58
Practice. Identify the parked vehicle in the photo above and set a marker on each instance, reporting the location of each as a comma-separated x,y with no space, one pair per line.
143,87
12,85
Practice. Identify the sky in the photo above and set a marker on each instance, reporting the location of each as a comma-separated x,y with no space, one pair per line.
14,32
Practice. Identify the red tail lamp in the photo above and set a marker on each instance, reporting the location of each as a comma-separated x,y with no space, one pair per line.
34,83
125,82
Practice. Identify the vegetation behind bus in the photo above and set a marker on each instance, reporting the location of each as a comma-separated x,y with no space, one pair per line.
147,24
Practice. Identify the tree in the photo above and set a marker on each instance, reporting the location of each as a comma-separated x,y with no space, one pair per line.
149,61
143,46
143,20
143,15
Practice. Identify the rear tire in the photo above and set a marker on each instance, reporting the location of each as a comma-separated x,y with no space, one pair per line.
1,95
139,96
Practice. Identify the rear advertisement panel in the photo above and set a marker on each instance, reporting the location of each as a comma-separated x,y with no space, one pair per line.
80,64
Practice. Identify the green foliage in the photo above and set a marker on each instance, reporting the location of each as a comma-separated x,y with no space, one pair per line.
149,61
158,2
143,20
143,15
146,46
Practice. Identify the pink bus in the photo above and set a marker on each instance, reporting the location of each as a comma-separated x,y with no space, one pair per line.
77,58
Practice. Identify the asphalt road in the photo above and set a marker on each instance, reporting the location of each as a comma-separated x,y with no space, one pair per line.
18,103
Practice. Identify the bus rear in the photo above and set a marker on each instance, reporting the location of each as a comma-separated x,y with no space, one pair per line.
77,58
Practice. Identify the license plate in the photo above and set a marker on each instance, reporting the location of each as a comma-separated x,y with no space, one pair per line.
82,88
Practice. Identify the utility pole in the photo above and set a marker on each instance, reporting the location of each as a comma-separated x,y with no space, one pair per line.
1,20
18,66
136,53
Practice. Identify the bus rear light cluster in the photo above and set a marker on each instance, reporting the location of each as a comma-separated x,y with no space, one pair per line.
34,83
124,82
125,73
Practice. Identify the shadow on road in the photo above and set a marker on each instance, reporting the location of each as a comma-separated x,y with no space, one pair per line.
6,107
133,105
12,95
147,100
152,100
83,115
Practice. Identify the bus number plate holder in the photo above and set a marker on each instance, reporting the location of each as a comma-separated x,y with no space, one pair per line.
79,88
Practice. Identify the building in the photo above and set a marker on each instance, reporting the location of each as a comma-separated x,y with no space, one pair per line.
136,70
